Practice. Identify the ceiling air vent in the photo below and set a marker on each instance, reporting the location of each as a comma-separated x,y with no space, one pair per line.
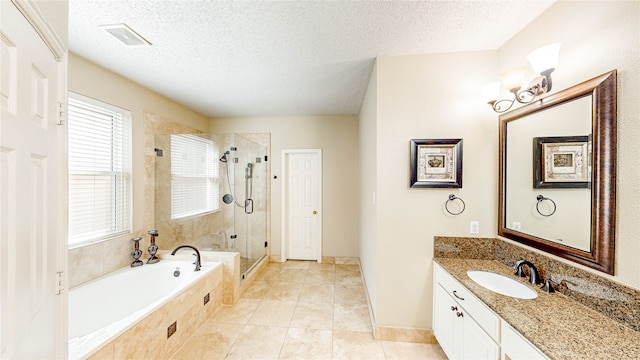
126,35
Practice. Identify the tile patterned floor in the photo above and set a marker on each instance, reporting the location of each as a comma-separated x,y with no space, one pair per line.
299,310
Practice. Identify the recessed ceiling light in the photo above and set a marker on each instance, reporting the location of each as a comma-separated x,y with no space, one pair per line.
126,35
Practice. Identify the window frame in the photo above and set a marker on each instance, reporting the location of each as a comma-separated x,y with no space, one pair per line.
212,179
120,202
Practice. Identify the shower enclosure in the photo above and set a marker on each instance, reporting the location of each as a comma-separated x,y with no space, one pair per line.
211,192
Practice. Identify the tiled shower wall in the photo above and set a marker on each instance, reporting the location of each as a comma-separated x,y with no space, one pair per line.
94,260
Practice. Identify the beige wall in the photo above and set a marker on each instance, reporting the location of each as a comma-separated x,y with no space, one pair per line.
89,79
598,37
337,136
425,97
436,96
368,246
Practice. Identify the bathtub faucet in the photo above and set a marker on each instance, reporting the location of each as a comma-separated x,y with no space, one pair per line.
197,254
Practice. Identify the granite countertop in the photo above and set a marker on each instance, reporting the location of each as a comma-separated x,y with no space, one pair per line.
558,326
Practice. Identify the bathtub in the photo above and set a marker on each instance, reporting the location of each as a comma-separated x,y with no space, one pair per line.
101,310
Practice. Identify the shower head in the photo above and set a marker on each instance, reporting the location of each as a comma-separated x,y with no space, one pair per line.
224,157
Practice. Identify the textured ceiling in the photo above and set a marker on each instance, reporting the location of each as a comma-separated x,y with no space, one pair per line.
248,58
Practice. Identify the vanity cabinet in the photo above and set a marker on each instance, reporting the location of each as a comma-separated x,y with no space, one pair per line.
459,320
467,329
515,347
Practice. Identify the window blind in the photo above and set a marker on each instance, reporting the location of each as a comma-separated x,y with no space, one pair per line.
194,176
99,152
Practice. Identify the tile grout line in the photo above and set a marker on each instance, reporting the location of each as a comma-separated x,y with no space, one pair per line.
297,303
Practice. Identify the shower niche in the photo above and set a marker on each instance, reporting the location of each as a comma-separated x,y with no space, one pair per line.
211,191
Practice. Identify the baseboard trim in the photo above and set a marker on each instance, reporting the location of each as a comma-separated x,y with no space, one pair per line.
424,336
341,260
337,260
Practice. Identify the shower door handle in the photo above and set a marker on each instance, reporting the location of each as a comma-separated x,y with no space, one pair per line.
248,206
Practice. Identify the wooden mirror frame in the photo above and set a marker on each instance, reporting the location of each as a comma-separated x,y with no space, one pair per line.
603,88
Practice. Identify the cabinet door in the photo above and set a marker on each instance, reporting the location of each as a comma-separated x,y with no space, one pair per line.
458,334
515,347
444,321
476,344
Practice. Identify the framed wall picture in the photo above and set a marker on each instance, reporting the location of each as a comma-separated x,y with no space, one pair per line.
436,163
561,162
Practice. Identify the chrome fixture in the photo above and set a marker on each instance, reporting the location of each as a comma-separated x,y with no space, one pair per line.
248,183
223,158
540,199
197,254
227,198
534,276
543,61
248,189
452,198
548,286
153,248
136,253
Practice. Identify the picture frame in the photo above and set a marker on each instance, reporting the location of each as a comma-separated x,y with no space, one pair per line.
562,162
436,163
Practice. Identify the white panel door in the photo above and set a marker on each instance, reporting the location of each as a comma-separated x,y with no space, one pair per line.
29,249
304,204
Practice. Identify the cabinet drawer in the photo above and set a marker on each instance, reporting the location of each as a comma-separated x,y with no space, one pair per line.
489,321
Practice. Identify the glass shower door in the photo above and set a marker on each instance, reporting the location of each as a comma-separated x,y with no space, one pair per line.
250,187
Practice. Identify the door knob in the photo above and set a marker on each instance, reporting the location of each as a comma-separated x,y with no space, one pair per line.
314,212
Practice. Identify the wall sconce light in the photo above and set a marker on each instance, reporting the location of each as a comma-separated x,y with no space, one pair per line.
543,61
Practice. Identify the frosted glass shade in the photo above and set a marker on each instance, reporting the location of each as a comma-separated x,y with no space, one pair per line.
513,78
544,58
490,92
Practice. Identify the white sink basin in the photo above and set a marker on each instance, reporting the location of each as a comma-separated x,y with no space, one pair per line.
502,284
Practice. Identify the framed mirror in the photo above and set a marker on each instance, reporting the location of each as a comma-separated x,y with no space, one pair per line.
557,173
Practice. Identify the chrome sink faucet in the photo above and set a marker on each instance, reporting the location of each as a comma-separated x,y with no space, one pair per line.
534,275
197,254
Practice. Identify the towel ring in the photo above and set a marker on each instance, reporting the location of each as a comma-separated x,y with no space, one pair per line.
451,198
540,199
